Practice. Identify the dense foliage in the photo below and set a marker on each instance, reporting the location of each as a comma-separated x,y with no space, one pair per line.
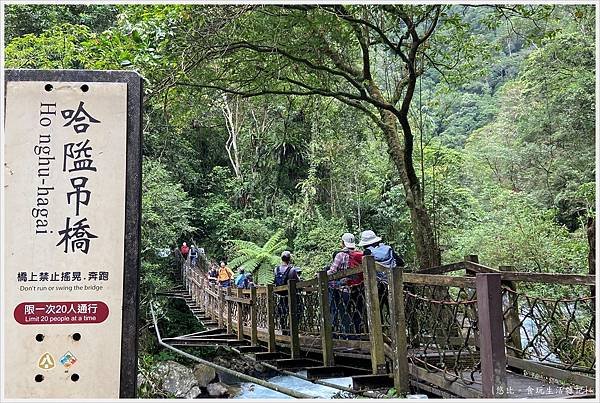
259,260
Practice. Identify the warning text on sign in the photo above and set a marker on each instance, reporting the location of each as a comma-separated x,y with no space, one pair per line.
29,313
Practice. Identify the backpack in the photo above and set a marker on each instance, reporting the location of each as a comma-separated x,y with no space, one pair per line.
240,282
384,255
281,278
355,260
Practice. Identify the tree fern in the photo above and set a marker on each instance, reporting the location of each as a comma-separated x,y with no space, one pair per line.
259,260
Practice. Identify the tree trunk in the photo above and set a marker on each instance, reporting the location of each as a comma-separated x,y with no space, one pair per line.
427,251
233,126
426,248
591,236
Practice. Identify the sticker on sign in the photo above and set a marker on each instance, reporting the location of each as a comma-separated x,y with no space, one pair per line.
68,359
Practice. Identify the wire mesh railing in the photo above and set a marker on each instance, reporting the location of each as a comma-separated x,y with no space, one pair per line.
559,332
441,318
442,330
309,314
262,319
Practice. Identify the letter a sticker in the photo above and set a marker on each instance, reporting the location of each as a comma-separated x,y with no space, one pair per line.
46,361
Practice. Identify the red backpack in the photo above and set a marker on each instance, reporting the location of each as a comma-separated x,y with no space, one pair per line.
355,260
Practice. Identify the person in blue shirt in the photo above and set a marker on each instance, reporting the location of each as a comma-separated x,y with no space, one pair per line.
385,256
283,273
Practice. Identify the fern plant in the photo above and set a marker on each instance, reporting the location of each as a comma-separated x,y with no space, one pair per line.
259,260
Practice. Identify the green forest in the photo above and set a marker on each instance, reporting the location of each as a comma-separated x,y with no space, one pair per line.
449,130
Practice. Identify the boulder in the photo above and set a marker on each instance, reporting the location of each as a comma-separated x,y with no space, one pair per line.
233,390
217,389
193,393
204,374
177,379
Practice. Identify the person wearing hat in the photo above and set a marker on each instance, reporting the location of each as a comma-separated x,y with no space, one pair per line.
346,292
348,257
385,256
284,272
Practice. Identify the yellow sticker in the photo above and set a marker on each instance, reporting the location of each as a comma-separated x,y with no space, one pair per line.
46,361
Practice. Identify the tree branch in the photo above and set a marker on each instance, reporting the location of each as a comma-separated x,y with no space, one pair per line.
346,16
298,59
248,94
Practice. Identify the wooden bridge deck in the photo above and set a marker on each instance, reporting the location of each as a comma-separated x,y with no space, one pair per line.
373,360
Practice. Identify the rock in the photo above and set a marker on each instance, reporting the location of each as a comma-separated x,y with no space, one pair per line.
233,391
227,378
193,393
204,374
217,389
177,379
141,379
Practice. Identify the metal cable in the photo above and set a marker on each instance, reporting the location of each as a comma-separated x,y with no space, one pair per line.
261,382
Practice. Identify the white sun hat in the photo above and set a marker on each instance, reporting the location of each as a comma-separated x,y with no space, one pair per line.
368,237
348,240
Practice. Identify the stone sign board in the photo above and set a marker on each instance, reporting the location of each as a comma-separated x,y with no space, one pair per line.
72,175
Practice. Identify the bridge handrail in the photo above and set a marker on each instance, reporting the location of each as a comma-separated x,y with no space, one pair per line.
238,310
438,279
546,278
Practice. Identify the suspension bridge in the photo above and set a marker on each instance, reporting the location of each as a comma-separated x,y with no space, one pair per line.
458,330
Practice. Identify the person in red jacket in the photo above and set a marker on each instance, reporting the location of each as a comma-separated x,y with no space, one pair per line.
346,294
185,250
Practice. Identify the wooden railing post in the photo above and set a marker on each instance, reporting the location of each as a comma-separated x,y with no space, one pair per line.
240,315
398,330
221,310
271,318
181,269
194,286
229,312
253,323
470,258
512,320
491,334
374,316
206,299
326,331
200,289
204,284
215,302
293,316
186,281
